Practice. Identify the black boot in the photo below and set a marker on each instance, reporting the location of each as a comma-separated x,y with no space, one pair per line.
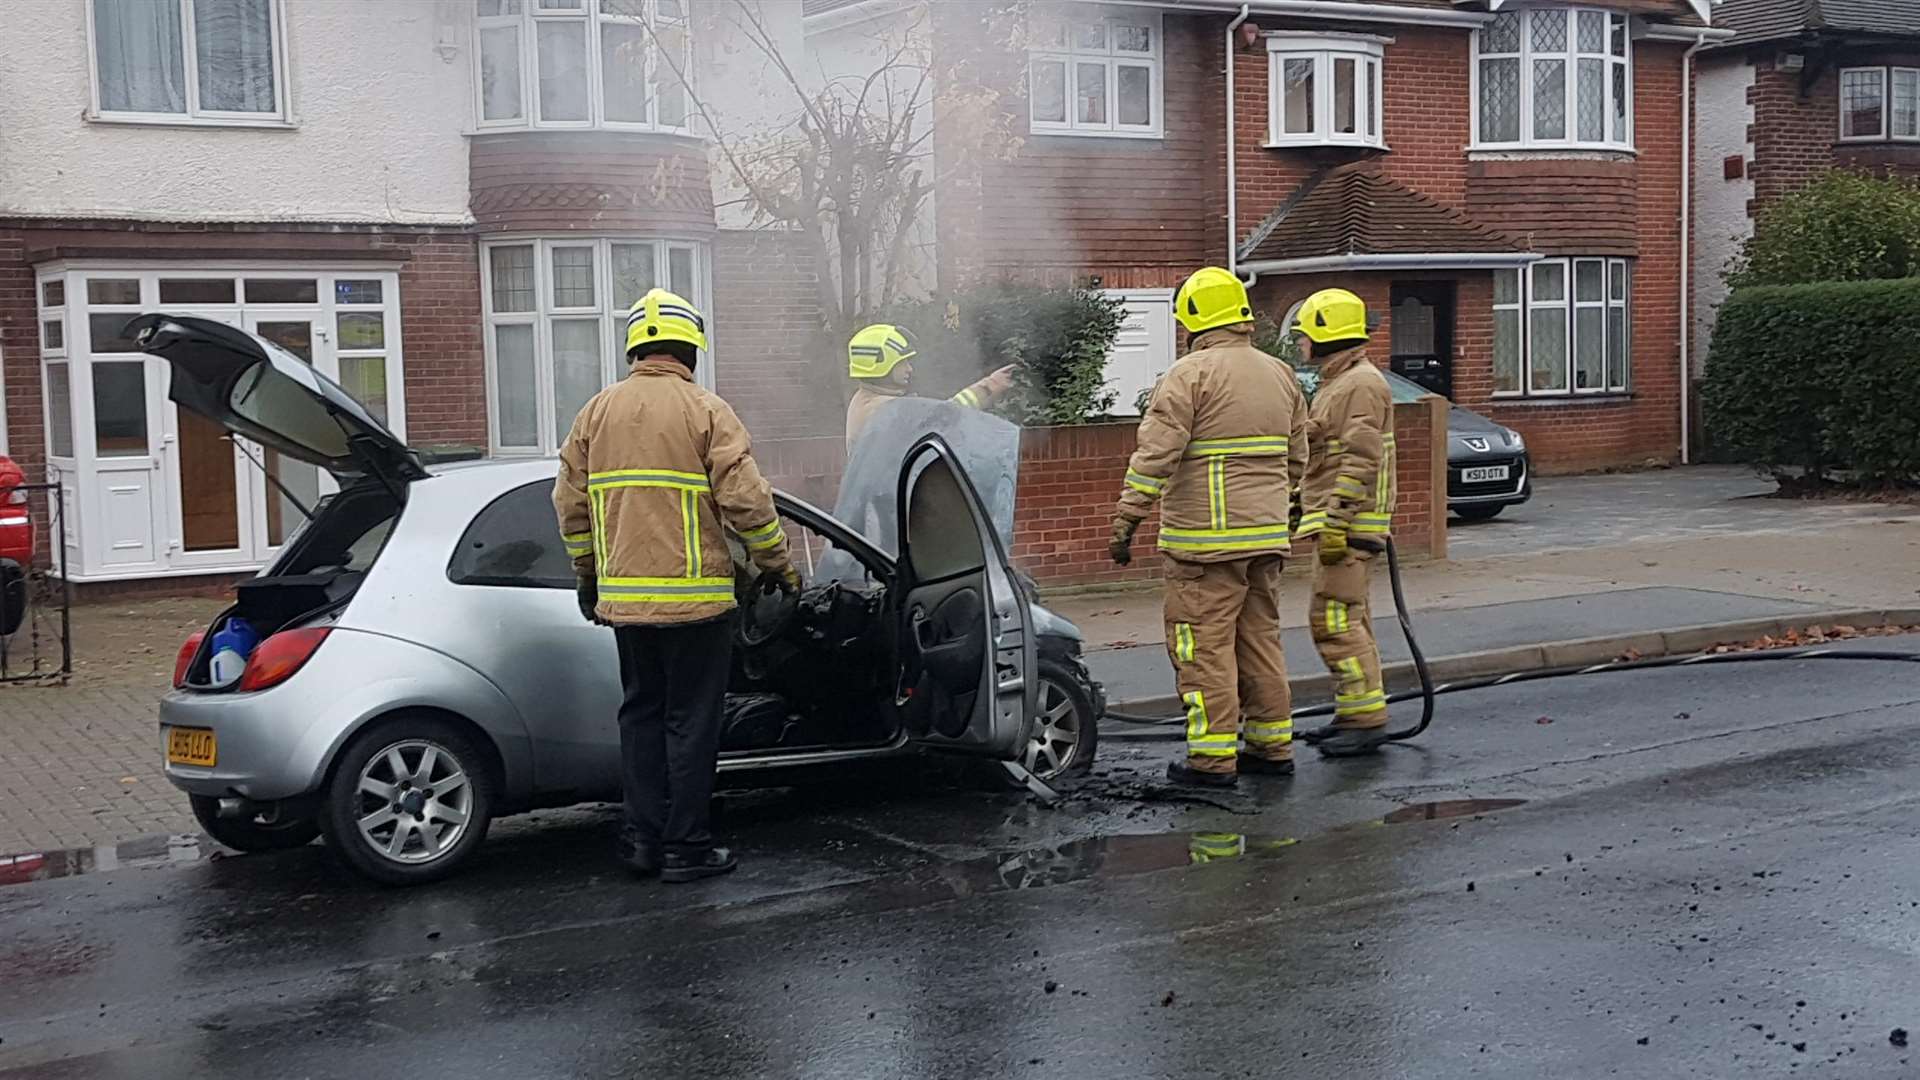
678,868
1315,736
1352,742
1181,773
1265,766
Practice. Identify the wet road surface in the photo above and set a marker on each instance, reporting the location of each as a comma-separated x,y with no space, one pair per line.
1687,872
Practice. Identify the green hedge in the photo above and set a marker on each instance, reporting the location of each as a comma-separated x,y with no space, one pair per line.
1811,380
1059,337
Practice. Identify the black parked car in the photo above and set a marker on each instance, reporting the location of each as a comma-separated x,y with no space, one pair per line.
1487,467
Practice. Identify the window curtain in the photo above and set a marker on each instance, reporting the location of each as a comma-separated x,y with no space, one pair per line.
141,63
234,48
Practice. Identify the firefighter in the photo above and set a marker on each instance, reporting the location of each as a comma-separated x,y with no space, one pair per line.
653,475
880,362
1348,505
1223,447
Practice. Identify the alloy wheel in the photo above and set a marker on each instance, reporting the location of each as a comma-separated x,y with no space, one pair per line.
414,801
1057,732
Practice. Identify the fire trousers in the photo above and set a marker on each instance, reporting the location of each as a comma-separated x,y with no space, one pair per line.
1223,634
1342,625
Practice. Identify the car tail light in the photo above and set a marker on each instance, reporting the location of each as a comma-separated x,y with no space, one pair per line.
182,662
278,657
16,497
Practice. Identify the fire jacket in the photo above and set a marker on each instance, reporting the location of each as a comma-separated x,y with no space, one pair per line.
1224,442
1350,478
652,474
870,399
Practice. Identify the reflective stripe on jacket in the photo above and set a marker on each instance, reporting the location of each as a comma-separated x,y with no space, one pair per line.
868,399
1223,447
1351,486
653,474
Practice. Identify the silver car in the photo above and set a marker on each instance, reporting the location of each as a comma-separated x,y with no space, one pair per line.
422,666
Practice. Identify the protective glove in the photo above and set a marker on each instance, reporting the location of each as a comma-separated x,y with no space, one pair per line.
587,591
788,581
1121,546
1333,548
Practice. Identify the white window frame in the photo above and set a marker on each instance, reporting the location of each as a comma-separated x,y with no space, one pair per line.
1889,76
281,116
1154,61
1612,270
1619,135
525,22
1368,54
609,309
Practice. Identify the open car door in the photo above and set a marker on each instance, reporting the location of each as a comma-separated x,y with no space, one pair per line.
968,678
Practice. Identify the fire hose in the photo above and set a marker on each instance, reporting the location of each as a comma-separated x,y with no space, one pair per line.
1428,691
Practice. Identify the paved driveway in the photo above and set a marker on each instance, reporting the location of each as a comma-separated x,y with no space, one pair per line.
1701,501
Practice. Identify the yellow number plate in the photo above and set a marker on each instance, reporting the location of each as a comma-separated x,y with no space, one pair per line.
191,746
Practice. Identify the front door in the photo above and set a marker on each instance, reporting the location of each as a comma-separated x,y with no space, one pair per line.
967,652
276,507
1422,332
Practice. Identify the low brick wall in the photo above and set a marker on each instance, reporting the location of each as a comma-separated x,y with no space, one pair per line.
1070,478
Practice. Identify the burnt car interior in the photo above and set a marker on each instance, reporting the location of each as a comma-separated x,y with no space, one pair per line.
813,671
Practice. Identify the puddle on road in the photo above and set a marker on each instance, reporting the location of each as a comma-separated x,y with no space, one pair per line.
148,852
1118,856
1450,808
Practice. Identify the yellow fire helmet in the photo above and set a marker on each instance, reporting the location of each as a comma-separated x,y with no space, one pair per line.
876,350
661,316
1211,298
1332,315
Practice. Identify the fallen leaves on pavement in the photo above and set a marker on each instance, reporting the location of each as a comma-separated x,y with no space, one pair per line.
1814,635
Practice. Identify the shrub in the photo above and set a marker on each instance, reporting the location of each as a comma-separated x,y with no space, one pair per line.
1813,379
1058,337
1842,227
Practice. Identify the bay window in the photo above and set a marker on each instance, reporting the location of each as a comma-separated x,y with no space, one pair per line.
1323,90
1091,73
1561,326
1878,103
583,63
1553,77
556,313
187,61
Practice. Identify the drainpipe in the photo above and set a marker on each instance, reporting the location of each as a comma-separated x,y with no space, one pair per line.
1686,254
1233,192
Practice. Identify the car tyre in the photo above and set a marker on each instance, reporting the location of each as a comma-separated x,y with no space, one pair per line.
417,775
1066,734
1479,513
250,834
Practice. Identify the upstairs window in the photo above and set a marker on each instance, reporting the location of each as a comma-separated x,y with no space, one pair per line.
1094,73
1877,104
1323,91
1554,77
583,63
187,61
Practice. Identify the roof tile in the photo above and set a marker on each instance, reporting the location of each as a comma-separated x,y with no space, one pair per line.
1355,209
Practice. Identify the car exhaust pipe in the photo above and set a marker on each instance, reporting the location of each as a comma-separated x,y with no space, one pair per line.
235,808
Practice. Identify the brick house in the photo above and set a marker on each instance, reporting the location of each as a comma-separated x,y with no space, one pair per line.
1504,188
444,204
1800,88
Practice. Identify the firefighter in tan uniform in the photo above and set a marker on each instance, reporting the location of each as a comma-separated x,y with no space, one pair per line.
880,362
1348,505
654,474
1223,448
